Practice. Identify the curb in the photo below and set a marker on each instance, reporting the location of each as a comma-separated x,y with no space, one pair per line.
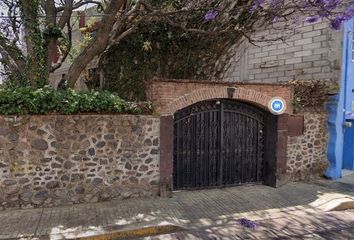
142,232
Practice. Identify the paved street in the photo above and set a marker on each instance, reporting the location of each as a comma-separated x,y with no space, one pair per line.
296,210
296,225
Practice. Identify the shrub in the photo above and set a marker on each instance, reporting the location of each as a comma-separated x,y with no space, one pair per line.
25,100
312,94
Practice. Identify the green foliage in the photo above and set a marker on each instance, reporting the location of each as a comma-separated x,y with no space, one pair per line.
25,100
311,95
158,50
52,32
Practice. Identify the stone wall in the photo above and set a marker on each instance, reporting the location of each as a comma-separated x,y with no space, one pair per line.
307,154
56,160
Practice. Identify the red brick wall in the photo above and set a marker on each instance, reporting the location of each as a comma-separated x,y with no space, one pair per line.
168,96
171,95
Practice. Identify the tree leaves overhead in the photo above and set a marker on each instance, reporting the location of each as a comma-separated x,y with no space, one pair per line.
37,29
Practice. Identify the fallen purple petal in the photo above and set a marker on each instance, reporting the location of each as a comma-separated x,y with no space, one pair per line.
247,223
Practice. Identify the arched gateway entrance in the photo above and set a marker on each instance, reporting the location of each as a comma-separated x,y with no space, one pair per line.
212,135
223,142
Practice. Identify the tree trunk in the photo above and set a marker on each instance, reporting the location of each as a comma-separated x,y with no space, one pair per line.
36,60
51,41
97,45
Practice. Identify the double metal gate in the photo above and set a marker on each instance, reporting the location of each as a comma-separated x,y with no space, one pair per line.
218,143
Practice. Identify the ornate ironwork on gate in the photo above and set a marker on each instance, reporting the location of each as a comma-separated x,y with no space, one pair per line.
219,143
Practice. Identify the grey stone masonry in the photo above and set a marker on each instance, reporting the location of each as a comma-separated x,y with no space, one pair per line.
311,52
57,160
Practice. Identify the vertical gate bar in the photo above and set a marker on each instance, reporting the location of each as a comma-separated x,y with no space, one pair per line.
250,147
221,134
200,149
175,153
201,157
206,152
233,144
211,175
253,168
213,167
211,149
188,145
229,162
196,159
207,173
192,159
183,154
189,176
204,148
243,148
246,149
249,160
251,152
258,152
224,148
179,153
216,147
238,144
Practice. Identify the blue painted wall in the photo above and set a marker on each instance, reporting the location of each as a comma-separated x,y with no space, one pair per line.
341,109
336,134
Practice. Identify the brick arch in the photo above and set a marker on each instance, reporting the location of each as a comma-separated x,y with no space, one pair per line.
243,94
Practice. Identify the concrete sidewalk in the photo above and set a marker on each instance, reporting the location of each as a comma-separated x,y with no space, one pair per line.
298,204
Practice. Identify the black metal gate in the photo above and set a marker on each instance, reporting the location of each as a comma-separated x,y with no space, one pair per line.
218,143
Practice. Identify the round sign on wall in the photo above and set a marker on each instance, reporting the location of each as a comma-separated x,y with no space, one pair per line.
277,105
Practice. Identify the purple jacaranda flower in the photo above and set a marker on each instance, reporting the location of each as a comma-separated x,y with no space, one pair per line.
330,5
312,19
211,15
247,223
256,4
337,22
260,2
